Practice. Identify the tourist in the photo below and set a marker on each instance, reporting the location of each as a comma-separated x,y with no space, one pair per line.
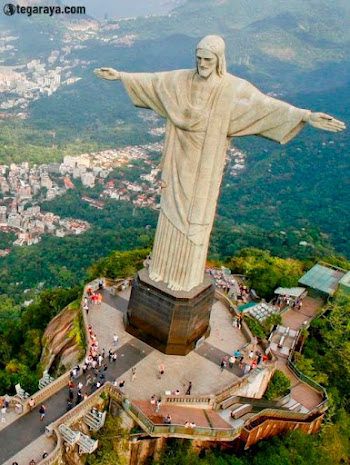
133,374
32,462
115,340
231,361
251,354
3,414
114,356
7,401
122,385
167,420
187,424
153,400
79,397
246,368
223,364
188,392
161,370
99,299
80,386
237,354
42,412
192,424
69,404
100,284
110,356
158,405
31,404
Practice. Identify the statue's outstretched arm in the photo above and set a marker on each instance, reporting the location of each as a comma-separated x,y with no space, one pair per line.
108,73
324,122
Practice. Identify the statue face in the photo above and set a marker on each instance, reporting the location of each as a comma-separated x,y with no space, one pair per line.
206,63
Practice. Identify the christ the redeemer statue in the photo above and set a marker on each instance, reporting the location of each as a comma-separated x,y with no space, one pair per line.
204,108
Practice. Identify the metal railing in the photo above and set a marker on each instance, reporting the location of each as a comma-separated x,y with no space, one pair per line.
304,378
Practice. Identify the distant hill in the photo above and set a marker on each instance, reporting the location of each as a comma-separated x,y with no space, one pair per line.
264,37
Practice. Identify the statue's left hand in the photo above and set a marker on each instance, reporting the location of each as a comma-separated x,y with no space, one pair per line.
107,73
325,122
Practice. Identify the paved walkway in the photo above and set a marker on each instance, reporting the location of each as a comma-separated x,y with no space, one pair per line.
28,428
202,368
34,451
179,415
11,416
294,319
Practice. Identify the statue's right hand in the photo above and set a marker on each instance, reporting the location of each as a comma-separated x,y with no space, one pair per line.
107,73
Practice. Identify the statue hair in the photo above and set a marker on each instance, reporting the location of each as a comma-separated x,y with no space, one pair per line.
216,45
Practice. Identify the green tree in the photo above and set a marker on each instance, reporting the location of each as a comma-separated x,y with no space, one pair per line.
265,272
278,386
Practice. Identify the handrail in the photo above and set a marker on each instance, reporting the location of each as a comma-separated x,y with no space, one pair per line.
207,400
155,429
263,403
304,378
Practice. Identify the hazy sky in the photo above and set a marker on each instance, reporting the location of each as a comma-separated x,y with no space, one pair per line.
124,8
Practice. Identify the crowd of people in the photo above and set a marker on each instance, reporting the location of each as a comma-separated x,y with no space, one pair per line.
283,301
245,364
94,369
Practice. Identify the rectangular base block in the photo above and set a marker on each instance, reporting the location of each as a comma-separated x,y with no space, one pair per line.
170,321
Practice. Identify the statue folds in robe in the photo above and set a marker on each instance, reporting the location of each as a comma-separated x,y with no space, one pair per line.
198,133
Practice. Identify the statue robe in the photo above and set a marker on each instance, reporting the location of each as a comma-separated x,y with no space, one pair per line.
194,157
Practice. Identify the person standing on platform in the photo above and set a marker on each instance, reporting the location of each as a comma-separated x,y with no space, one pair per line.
42,412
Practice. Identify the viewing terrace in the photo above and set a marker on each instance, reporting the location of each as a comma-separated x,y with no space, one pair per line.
24,435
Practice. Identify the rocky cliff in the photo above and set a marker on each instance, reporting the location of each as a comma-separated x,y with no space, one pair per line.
61,346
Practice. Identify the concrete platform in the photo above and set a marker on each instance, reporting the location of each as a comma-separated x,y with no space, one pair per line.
201,368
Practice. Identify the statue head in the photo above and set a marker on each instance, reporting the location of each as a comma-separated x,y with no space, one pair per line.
210,56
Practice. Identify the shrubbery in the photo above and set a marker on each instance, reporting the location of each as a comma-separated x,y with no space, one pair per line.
279,386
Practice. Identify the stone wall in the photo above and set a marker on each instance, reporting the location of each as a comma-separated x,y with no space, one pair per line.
142,450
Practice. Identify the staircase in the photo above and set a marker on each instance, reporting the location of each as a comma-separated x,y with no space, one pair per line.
86,444
45,380
95,419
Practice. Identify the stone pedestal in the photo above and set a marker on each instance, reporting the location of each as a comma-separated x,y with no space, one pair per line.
170,321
